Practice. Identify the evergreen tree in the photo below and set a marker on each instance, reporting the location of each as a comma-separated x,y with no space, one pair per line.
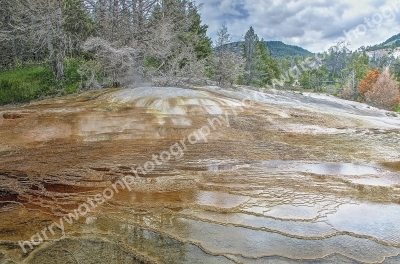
249,49
311,79
260,68
78,24
395,69
198,33
266,68
359,66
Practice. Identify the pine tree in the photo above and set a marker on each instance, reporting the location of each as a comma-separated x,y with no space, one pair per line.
198,32
78,25
249,49
266,68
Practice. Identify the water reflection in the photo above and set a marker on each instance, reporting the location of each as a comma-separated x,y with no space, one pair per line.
337,168
252,194
218,167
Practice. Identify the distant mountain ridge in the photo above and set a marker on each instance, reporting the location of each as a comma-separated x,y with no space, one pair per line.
392,42
280,49
277,49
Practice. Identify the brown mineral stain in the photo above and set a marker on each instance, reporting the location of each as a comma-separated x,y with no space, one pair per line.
393,165
269,184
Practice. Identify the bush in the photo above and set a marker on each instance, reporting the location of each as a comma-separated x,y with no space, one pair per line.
72,79
347,93
384,92
370,79
22,85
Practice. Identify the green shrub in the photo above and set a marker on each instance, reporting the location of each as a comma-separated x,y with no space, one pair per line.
25,84
72,81
152,63
31,82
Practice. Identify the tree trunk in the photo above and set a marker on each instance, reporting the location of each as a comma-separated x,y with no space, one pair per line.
61,38
50,47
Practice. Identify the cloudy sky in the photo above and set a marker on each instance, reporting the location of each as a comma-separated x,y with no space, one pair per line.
312,24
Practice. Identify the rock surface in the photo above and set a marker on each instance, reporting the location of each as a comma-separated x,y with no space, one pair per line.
201,175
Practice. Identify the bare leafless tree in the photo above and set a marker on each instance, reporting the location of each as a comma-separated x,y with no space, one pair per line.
337,59
227,65
146,31
350,88
119,63
42,22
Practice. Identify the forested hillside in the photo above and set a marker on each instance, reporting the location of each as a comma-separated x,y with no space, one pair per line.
277,49
280,49
392,42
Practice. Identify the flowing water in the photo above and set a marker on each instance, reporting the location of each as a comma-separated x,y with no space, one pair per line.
282,177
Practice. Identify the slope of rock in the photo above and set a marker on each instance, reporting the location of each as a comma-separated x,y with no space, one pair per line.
201,175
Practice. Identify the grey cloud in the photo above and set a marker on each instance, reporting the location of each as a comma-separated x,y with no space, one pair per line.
296,22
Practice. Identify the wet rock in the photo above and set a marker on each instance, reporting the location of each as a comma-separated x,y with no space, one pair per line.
173,175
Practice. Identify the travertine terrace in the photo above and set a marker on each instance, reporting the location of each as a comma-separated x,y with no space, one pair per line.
281,177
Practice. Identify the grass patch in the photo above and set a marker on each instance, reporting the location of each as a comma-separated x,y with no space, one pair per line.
34,82
24,85
397,109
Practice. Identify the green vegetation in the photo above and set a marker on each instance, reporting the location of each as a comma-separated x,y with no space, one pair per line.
23,85
260,67
73,81
31,82
311,79
278,49
397,109
266,67
392,42
359,63
111,44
